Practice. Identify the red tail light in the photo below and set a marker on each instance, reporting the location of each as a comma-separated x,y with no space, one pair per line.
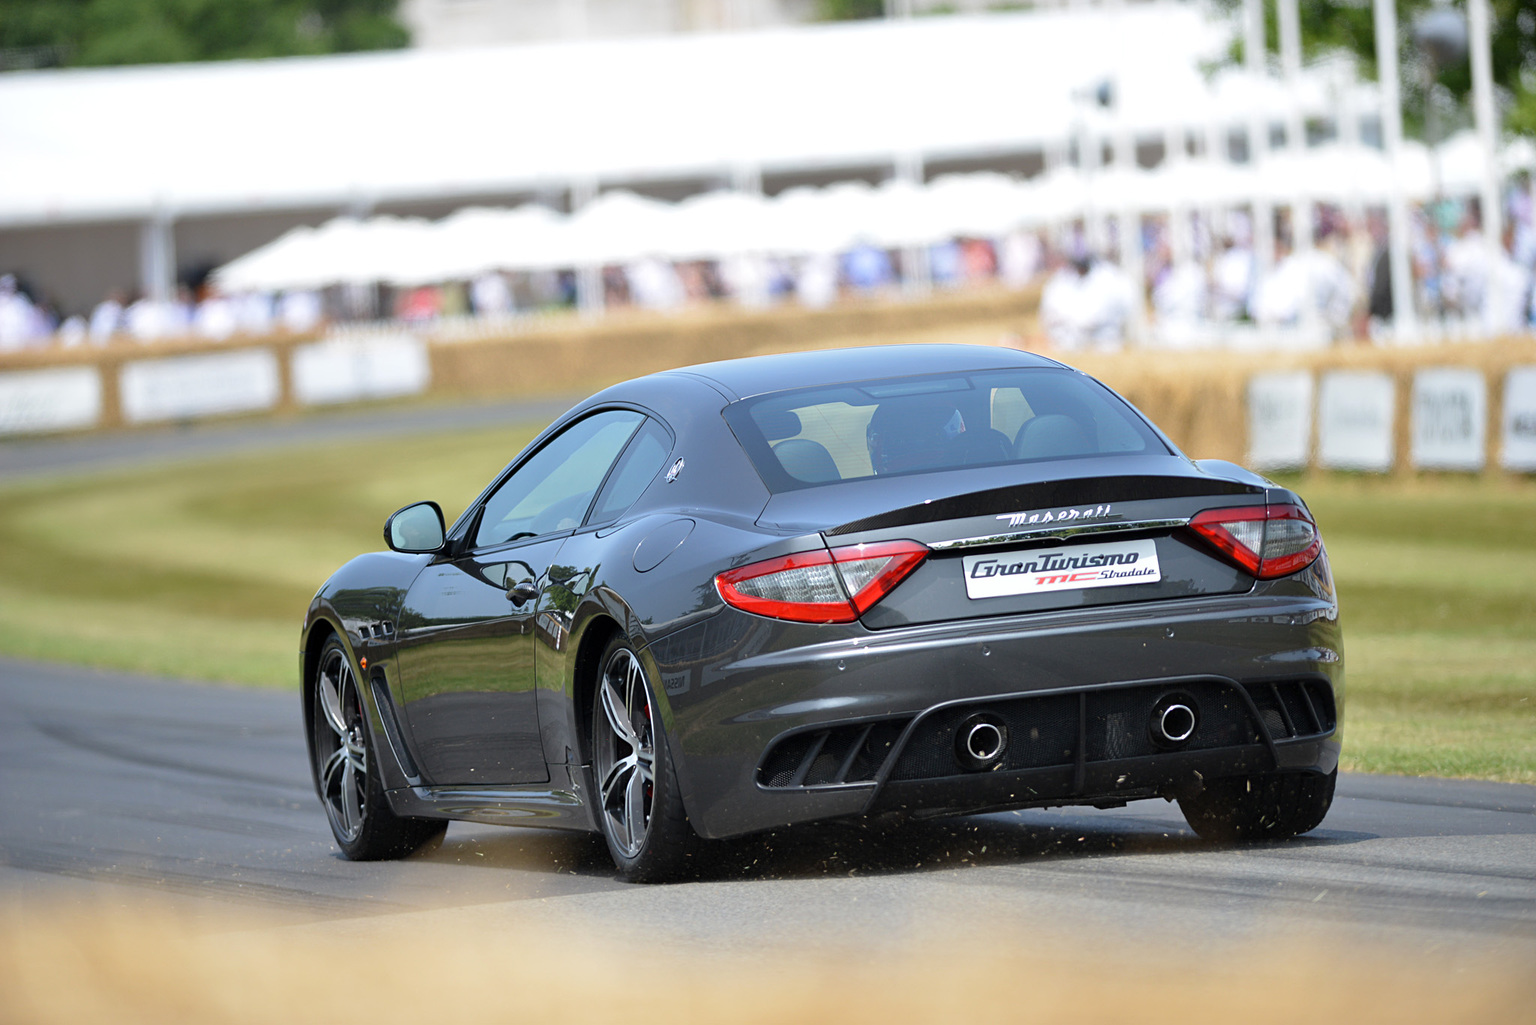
836,586
1268,541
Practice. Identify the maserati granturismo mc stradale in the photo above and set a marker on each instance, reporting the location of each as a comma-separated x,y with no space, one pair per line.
882,582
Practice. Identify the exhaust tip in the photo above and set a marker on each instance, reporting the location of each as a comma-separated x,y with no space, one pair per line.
1173,721
981,741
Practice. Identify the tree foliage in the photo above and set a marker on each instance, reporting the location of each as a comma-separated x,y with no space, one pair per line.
849,10
1328,26
108,32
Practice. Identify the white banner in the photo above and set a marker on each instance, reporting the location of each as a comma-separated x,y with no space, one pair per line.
1354,421
185,387
57,399
1280,420
347,369
1518,451
1450,419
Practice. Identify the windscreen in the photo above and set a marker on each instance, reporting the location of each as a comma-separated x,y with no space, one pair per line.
906,425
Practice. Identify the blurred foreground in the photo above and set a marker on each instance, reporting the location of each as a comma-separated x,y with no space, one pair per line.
108,965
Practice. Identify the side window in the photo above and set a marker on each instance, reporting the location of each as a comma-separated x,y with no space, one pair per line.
553,489
639,465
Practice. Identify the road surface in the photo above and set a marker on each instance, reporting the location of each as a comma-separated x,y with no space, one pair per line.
130,789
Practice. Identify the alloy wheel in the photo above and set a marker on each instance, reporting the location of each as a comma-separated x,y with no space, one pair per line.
625,752
341,751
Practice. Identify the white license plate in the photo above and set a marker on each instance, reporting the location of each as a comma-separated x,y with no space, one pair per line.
1069,568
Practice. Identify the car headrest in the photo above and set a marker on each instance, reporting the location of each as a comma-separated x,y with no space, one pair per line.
777,424
807,461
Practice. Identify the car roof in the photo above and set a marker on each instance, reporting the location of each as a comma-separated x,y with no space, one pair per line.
760,375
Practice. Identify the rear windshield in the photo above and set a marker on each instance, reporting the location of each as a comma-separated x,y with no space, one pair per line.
906,425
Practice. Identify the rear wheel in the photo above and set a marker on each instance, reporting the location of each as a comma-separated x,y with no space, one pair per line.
1271,807
347,771
640,807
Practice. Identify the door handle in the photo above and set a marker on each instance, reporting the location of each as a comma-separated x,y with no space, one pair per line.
521,592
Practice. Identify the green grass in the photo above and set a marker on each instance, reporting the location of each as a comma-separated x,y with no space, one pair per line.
1437,586
204,571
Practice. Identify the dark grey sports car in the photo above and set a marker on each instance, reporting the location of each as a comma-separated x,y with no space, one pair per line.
921,580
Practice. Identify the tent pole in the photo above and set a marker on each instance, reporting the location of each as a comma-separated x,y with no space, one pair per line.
1404,320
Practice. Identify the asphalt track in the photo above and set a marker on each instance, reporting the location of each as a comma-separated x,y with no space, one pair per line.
127,790
22,458
135,791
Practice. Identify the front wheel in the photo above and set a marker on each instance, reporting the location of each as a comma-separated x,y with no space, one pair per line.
640,806
1272,807
347,774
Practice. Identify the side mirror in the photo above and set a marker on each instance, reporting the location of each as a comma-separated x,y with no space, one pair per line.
417,529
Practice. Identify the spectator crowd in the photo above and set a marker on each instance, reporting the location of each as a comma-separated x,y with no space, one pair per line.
1195,291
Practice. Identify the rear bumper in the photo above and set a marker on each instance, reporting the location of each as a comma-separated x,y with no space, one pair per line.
741,688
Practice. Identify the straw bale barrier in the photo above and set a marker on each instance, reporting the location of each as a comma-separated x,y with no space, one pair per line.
1198,398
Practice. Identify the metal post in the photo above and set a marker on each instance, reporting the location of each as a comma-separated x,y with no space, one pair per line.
589,279
157,257
1347,133
1089,156
916,270
1180,235
1258,138
1404,319
1488,136
1295,128
1132,262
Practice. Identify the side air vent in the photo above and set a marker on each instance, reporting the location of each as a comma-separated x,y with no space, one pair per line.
1294,708
386,706
834,756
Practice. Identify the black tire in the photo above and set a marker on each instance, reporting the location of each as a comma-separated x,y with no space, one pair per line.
638,803
347,773
1246,808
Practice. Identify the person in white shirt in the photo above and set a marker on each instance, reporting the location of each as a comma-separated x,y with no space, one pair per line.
1308,290
816,282
1181,295
1111,296
145,319
490,295
215,318
20,321
1020,258
107,318
655,284
1464,270
1087,302
1232,282
300,310
1064,303
253,313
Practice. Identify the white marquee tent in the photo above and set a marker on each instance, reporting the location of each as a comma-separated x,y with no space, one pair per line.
620,227
193,140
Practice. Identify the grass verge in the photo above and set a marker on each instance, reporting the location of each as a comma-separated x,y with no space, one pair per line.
204,570
1437,587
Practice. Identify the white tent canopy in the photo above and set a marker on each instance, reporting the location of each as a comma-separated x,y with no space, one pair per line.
345,131
621,227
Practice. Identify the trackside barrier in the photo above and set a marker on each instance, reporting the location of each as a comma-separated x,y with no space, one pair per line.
50,399
1517,434
1456,407
191,387
1357,427
181,383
